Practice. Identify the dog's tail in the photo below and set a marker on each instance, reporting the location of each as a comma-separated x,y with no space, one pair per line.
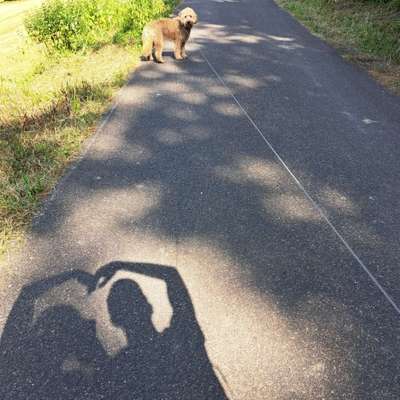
148,43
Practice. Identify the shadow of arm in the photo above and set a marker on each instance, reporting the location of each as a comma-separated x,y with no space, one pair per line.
20,319
177,292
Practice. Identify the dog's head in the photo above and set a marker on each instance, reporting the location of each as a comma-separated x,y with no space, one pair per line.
187,17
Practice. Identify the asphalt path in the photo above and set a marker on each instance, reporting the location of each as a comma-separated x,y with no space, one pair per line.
251,192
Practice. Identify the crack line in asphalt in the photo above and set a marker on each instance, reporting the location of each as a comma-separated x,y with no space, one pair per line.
303,189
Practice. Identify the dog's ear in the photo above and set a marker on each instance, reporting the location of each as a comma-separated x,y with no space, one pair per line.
195,18
181,17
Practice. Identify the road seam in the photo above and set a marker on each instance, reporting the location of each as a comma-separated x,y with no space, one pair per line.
303,189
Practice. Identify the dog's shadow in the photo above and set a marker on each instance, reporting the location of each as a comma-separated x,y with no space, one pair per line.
166,54
58,353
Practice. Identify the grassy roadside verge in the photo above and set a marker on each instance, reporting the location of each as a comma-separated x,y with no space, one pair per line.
365,32
48,126
49,104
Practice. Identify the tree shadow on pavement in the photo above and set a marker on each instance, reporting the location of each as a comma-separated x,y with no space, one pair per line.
162,170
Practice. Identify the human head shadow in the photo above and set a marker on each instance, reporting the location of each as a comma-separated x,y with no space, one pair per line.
57,355
172,364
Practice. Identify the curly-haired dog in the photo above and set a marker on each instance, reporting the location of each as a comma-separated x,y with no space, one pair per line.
176,29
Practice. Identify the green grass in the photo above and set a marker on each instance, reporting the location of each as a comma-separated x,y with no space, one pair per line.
49,103
48,115
367,32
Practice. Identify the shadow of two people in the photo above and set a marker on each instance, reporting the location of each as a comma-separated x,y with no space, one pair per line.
58,355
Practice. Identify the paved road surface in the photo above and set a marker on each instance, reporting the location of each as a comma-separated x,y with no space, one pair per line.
271,295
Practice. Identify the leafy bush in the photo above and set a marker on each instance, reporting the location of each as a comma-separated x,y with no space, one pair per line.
69,24
138,12
77,24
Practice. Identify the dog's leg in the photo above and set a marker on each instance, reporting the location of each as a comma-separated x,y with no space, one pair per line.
147,50
158,46
148,43
178,50
183,51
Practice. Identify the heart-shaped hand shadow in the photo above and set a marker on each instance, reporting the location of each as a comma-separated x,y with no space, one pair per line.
58,352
